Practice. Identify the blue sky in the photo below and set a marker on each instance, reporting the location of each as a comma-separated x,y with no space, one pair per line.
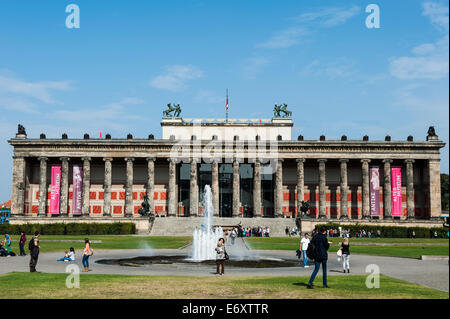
129,59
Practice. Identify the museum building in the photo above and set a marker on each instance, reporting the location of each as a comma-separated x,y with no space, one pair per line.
255,168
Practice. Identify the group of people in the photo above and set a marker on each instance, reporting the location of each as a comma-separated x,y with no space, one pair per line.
291,231
34,248
321,245
346,233
5,245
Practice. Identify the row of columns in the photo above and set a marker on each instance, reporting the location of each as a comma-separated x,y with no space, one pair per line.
19,173
107,186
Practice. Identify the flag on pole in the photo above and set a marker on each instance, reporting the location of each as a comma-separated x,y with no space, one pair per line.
100,134
227,101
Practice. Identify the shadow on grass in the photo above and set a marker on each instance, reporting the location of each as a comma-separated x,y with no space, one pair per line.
300,284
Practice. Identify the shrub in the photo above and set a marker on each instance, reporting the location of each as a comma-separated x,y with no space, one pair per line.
71,228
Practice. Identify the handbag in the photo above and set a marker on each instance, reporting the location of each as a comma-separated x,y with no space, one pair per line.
91,252
226,256
339,253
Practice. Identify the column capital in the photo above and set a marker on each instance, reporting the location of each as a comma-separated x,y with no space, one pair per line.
300,160
43,158
409,160
387,161
151,159
365,160
280,160
64,158
194,161
86,158
129,159
172,160
108,159
322,160
343,160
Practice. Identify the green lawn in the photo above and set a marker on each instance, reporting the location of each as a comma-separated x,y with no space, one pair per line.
108,242
41,285
398,249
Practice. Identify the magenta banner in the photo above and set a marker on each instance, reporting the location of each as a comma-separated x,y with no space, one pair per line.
396,176
55,189
77,190
374,191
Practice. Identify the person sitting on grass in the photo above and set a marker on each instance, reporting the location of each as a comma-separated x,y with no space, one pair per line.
69,255
3,251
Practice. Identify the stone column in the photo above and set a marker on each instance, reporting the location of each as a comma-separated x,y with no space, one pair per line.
215,186
322,189
365,189
344,190
42,186
193,189
236,188
434,188
129,188
410,189
107,187
172,205
387,189
151,184
18,186
300,184
279,189
86,185
257,189
64,186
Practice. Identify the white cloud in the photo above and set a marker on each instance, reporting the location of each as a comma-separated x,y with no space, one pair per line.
175,77
429,60
329,16
36,90
284,39
437,13
339,68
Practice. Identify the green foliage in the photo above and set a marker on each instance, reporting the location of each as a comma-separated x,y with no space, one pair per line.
390,231
72,228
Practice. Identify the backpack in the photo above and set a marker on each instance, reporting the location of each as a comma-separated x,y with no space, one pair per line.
311,252
31,244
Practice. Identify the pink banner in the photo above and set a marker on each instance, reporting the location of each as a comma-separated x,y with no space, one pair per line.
55,189
396,176
374,191
77,190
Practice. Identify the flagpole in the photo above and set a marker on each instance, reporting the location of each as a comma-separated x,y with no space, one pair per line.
227,108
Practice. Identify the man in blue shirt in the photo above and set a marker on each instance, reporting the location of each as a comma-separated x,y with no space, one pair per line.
321,244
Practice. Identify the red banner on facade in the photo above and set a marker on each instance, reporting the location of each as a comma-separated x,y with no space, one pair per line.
55,189
396,176
374,191
77,190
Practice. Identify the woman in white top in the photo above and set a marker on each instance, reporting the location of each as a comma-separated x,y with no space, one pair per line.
70,255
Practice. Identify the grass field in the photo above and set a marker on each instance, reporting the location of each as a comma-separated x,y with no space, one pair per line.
108,242
398,247
40,285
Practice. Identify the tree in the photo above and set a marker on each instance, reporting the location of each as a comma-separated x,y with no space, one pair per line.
444,192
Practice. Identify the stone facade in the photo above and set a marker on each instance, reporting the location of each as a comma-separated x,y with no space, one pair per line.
333,175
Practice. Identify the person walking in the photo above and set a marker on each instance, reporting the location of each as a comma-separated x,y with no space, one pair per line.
22,241
87,252
321,245
304,247
221,255
34,247
345,248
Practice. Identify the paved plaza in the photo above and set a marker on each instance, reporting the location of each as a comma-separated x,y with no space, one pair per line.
429,273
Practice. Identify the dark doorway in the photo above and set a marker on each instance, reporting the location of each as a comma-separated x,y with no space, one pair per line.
225,190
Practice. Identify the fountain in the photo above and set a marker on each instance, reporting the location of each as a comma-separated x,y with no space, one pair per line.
205,238
204,241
